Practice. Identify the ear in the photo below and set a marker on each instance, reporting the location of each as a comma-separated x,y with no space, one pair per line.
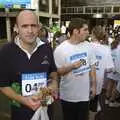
75,31
16,28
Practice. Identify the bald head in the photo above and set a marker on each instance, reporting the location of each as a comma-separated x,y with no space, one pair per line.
24,14
27,26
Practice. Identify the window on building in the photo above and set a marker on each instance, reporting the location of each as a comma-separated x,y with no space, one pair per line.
2,9
116,9
88,9
55,4
3,33
44,5
107,9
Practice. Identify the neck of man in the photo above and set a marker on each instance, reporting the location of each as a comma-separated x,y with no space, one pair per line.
75,40
29,47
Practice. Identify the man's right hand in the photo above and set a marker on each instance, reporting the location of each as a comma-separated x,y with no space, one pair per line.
76,64
33,102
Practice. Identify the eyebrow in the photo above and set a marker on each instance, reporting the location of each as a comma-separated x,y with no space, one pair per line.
25,25
86,28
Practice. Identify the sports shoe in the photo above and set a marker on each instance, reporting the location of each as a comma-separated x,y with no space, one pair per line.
114,104
106,101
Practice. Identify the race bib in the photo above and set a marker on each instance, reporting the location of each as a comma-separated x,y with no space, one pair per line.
99,58
32,82
82,57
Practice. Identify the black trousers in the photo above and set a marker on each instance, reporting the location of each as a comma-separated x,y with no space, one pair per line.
22,113
75,111
55,111
94,102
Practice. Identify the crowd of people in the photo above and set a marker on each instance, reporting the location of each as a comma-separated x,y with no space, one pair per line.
78,71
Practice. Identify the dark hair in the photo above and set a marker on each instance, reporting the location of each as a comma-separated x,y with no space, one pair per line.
76,23
115,43
42,29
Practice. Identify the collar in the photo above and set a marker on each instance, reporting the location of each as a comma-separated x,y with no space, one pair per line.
39,43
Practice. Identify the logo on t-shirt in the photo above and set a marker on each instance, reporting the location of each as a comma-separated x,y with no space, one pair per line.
45,60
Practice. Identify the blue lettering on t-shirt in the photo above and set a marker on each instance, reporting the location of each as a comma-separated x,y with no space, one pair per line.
98,57
80,55
32,76
82,70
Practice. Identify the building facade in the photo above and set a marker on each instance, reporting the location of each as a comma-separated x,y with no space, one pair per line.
96,11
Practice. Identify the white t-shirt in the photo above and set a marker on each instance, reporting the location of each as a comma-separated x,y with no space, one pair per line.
116,58
75,86
115,75
104,62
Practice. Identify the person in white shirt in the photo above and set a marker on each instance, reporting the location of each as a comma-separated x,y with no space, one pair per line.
75,60
113,87
104,62
63,29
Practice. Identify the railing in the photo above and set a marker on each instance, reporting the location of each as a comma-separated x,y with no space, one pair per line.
104,9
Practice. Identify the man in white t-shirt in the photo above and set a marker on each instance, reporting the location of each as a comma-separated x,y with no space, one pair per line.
75,60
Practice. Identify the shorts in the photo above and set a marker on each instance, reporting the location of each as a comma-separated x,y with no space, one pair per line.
118,86
113,76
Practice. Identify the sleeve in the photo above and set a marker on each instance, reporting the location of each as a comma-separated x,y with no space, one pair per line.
53,67
109,60
117,61
59,57
92,57
4,69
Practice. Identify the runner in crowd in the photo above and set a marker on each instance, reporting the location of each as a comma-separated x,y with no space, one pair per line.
75,59
26,65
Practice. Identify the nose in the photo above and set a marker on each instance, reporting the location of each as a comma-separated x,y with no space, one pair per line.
88,31
30,29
